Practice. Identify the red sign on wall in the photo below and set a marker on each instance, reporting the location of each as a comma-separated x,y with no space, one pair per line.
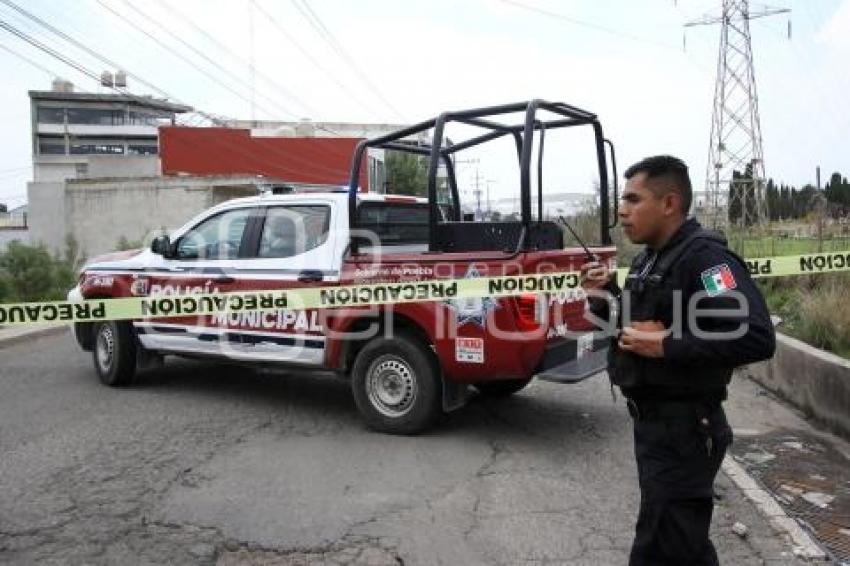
231,151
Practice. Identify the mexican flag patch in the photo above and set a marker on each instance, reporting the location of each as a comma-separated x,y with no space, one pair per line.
718,279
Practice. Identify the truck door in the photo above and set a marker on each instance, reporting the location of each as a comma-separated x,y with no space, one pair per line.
209,258
295,248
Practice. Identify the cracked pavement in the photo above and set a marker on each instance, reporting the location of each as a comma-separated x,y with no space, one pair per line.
202,463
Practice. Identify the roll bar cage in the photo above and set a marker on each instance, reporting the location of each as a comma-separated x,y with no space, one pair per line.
523,135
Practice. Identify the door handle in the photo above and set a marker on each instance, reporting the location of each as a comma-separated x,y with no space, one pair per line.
225,279
311,276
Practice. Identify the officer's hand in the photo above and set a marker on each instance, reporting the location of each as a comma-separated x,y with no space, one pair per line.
644,338
594,275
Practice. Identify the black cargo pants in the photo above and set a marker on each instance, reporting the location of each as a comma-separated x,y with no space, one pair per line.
679,448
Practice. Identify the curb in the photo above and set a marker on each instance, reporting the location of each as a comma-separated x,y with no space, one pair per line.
803,545
12,336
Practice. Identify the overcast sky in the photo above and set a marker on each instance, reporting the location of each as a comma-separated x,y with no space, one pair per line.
622,60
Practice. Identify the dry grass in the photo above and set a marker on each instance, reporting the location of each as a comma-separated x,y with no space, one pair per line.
824,319
814,309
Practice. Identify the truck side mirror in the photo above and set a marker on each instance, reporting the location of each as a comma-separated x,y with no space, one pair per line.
162,245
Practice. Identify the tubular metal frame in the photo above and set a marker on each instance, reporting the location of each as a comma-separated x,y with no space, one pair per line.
482,117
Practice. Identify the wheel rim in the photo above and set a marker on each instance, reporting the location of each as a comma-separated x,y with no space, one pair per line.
391,386
105,348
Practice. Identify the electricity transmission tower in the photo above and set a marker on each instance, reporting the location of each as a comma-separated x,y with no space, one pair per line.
735,175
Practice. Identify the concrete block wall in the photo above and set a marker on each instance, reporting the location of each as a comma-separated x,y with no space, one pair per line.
46,214
10,235
815,381
100,215
99,212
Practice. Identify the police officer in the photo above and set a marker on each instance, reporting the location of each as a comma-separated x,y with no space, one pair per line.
688,315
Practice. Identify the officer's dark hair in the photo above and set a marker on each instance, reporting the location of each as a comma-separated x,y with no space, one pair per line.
663,174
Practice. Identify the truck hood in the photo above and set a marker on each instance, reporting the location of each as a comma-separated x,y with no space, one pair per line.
122,259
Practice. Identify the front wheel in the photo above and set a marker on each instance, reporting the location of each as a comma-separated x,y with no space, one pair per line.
114,353
396,385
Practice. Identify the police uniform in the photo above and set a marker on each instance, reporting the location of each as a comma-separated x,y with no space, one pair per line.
680,430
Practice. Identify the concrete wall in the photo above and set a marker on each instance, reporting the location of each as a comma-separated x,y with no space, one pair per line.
815,381
11,234
57,168
122,166
100,212
46,214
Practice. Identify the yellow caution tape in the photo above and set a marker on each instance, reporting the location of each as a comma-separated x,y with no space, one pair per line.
359,295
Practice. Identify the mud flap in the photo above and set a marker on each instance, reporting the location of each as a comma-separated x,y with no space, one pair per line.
455,394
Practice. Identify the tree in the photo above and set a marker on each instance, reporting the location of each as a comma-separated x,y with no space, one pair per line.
3,207
407,173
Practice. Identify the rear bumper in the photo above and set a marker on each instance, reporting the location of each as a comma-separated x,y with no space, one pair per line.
571,361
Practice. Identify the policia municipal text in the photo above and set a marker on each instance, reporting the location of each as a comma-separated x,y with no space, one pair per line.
688,315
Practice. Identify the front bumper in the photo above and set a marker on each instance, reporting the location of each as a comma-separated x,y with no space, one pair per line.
81,331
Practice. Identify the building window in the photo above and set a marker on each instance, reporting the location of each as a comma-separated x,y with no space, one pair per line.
95,116
135,149
51,147
47,115
96,148
142,119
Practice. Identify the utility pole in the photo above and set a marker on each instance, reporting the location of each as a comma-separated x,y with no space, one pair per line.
735,177
473,161
820,205
477,193
251,58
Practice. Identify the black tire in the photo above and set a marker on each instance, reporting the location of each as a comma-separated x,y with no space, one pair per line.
502,387
114,353
397,385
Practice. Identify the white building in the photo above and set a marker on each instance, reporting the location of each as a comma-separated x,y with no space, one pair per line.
75,132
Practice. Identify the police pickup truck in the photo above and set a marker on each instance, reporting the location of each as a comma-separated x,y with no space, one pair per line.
408,362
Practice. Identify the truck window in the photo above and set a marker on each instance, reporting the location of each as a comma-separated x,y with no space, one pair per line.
218,237
395,223
293,230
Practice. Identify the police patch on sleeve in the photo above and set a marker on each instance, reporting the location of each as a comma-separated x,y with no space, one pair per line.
718,280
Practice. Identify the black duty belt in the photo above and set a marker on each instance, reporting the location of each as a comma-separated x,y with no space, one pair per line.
670,410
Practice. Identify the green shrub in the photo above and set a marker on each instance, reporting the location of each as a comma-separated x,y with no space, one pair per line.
30,273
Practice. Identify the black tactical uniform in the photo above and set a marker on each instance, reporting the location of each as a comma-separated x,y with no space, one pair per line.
680,429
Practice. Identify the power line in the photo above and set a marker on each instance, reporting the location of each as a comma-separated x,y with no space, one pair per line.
87,72
96,55
170,50
216,64
28,60
193,65
83,47
586,24
317,24
343,88
309,165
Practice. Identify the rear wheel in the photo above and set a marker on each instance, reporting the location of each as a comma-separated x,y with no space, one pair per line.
114,353
396,385
501,388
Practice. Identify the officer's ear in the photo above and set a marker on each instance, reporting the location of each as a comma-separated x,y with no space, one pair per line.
672,203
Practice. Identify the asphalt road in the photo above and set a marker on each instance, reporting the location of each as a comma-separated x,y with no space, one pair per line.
202,463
